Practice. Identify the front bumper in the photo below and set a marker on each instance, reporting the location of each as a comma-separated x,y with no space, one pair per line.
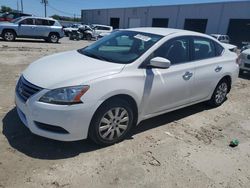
75,119
245,65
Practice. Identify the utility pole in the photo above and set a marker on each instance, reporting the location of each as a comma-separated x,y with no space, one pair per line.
45,2
22,6
17,6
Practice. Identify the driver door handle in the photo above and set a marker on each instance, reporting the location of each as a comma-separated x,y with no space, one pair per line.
218,69
187,75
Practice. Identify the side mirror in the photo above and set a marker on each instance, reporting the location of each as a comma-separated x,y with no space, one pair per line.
19,24
159,62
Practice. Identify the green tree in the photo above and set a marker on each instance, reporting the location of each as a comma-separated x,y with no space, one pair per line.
64,18
5,9
56,17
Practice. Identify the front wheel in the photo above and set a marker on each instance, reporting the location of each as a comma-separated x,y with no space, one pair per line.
220,93
112,122
9,35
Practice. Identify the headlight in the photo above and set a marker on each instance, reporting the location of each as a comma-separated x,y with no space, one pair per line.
65,96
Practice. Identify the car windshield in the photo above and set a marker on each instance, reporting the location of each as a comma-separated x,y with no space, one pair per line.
16,20
121,47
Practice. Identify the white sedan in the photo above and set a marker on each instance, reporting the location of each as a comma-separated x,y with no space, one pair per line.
105,89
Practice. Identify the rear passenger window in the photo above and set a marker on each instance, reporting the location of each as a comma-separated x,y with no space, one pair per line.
203,48
41,22
105,28
218,49
50,22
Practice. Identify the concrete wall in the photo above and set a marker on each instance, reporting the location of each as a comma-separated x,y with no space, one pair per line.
218,15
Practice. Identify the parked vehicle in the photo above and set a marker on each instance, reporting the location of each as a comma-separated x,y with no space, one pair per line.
244,61
221,38
32,27
245,47
9,16
73,27
85,32
103,90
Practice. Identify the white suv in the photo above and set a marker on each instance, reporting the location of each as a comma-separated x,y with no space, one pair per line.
105,89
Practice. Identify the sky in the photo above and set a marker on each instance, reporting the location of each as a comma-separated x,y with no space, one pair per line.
74,7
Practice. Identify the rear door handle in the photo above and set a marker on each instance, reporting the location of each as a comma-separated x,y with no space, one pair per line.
218,69
187,75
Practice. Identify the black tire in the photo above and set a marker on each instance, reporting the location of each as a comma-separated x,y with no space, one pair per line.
88,37
71,37
95,132
9,35
53,38
220,93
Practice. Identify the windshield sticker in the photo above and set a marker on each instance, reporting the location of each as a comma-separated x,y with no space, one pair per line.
142,37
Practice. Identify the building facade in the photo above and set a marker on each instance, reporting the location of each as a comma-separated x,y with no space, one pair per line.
232,18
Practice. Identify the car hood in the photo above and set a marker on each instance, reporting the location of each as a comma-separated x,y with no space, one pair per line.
68,69
7,24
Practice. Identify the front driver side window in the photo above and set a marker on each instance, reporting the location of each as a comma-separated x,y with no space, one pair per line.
175,50
27,21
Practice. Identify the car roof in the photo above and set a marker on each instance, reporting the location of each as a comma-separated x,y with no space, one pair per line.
165,31
101,25
35,17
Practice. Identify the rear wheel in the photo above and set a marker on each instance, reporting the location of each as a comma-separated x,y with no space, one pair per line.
9,35
220,93
53,38
112,122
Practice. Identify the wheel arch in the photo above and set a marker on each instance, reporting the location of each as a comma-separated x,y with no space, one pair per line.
128,98
228,78
9,29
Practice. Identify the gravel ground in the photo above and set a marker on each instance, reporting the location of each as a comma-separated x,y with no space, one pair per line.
184,148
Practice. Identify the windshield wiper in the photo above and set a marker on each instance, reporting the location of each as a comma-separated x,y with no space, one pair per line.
95,56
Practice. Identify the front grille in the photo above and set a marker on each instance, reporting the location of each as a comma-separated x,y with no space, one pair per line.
51,128
25,90
247,65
